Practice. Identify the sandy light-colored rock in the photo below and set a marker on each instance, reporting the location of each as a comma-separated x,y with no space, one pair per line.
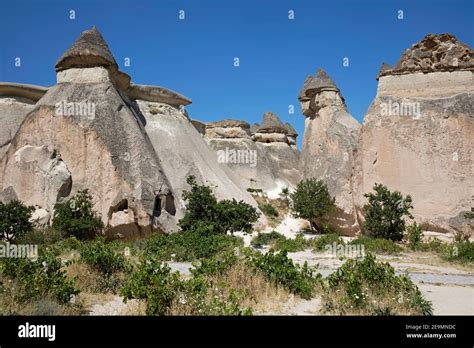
418,134
329,142
261,157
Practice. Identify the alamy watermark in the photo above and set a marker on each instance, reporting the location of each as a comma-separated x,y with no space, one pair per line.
401,109
336,250
68,109
233,156
19,250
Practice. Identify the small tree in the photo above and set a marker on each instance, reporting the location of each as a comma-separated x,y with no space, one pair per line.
14,220
311,201
203,210
385,212
414,235
76,217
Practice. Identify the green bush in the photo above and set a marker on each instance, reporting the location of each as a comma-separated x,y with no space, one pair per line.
14,220
321,242
378,245
311,201
76,217
262,239
414,235
268,210
35,279
42,236
278,241
280,269
385,212
164,292
291,245
463,252
370,287
200,242
102,257
202,208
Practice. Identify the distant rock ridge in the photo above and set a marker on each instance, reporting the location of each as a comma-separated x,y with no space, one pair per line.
271,144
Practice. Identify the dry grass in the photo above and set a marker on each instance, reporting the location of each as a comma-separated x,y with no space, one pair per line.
89,279
259,294
44,306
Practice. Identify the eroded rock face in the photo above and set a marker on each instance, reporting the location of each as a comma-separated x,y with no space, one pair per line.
418,134
329,142
262,156
12,112
184,152
38,176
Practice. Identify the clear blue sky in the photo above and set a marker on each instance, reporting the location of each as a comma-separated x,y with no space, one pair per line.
195,56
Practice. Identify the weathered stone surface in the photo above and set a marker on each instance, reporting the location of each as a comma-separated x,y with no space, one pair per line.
418,134
157,94
22,90
266,160
37,176
200,126
441,52
89,50
183,152
40,218
13,110
329,142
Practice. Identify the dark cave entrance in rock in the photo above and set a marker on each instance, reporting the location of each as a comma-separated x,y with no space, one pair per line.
165,202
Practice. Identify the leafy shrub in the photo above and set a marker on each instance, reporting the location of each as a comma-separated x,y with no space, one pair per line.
378,245
214,266
76,217
280,269
299,243
166,293
200,242
102,257
463,252
40,278
385,212
370,287
154,283
202,208
321,242
311,201
268,210
262,239
414,235
14,220
42,236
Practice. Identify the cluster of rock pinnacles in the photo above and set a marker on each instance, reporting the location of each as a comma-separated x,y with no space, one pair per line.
135,148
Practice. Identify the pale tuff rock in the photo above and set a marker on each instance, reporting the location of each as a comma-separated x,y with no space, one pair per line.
227,129
40,218
262,156
418,134
184,152
329,143
38,177
107,152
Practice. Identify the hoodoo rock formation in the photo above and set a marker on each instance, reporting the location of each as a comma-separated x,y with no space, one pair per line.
418,134
329,142
263,156
133,146
96,130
